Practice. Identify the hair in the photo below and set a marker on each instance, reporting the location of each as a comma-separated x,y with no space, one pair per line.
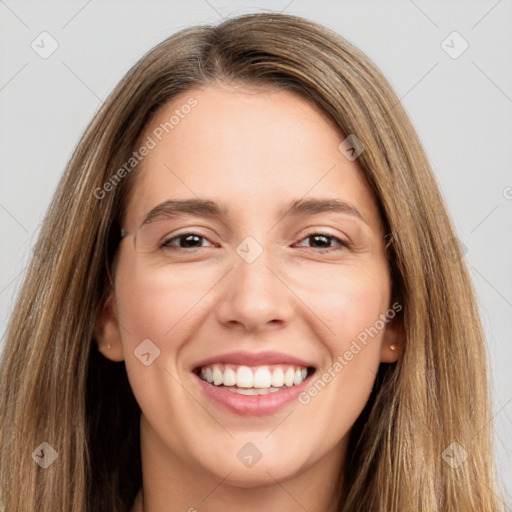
56,387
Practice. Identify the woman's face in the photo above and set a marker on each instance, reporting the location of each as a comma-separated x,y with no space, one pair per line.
281,295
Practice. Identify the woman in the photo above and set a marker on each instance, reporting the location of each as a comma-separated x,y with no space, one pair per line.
241,298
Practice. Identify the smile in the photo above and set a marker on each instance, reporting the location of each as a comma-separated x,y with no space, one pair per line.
255,380
252,383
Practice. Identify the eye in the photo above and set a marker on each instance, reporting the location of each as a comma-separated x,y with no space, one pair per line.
191,240
323,241
187,240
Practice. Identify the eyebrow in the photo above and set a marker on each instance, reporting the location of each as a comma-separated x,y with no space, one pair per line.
208,208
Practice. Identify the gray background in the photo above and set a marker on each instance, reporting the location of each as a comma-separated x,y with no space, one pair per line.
461,108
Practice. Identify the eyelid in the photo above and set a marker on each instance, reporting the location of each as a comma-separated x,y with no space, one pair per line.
326,231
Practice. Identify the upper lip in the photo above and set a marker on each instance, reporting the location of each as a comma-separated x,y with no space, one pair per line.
254,359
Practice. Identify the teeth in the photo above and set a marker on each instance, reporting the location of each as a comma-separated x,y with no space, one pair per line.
250,391
217,375
262,378
288,377
253,381
278,377
229,377
253,391
244,377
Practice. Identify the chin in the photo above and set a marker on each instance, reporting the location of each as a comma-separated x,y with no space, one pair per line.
233,470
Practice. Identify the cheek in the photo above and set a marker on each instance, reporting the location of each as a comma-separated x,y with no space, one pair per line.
159,312
350,301
354,309
155,312
152,302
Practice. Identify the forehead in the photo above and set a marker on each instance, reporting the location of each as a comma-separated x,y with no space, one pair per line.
252,149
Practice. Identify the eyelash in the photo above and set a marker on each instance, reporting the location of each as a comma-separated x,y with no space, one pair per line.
343,244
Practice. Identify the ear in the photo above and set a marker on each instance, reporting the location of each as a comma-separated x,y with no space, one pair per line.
393,340
107,332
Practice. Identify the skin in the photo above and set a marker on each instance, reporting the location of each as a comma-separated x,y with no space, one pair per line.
254,150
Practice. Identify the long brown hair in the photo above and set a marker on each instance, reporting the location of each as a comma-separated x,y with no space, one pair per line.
55,386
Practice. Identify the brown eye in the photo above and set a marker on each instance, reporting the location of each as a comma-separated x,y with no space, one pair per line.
324,240
185,241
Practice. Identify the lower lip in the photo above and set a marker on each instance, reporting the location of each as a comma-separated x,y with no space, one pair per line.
252,405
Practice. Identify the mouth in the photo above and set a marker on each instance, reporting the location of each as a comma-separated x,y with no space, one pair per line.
254,380
253,385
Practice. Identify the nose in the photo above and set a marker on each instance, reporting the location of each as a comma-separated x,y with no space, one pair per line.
255,295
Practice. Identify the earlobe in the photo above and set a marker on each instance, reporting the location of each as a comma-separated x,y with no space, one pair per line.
392,341
107,332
